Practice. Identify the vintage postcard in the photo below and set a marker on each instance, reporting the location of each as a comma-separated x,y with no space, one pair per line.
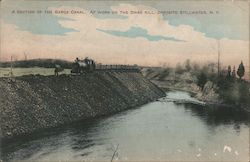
125,80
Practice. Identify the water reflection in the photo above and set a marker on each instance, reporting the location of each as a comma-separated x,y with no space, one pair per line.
220,115
162,130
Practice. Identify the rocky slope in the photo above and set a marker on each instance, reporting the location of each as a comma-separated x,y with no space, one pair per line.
30,103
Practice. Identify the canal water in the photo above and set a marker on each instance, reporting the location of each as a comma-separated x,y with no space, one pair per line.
165,130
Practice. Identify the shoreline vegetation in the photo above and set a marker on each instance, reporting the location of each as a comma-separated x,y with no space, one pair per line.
204,83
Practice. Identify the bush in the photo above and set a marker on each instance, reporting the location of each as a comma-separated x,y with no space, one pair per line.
241,70
187,65
164,73
202,79
179,69
234,92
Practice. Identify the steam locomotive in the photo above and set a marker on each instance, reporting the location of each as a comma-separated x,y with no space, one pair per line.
83,66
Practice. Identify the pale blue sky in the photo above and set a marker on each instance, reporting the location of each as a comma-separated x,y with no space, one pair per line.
231,22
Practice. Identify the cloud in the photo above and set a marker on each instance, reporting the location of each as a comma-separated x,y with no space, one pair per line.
44,24
125,49
135,32
232,15
227,20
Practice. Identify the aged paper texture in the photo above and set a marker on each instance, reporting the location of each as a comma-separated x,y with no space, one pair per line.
123,80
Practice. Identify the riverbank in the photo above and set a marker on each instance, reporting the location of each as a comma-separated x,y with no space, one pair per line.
207,95
30,103
224,92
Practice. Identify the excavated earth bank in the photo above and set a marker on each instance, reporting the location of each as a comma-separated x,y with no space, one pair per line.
35,102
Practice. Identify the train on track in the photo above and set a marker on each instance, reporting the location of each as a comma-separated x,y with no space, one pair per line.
83,66
87,65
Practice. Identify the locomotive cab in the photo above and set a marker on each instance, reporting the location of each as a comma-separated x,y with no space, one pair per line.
83,66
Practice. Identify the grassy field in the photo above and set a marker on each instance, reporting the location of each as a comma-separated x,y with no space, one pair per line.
6,72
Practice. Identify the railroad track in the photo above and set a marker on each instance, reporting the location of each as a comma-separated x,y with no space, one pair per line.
117,68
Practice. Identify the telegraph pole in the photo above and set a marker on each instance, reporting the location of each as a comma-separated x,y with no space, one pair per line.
218,41
249,40
11,66
25,56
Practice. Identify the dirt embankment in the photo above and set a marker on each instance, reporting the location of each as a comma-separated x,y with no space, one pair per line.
30,103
